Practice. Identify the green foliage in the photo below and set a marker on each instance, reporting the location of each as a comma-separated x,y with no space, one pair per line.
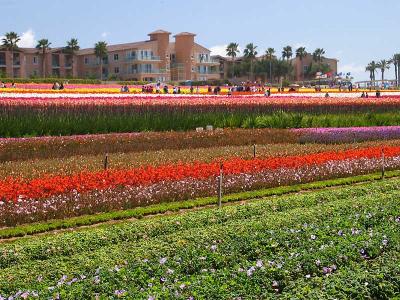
25,121
341,244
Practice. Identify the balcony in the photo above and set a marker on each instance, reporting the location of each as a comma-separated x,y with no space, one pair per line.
208,72
146,71
142,58
209,61
2,63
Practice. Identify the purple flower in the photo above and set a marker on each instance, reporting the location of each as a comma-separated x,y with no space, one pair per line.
259,263
119,293
250,271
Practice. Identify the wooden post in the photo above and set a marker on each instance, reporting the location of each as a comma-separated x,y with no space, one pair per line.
106,162
383,163
254,150
221,171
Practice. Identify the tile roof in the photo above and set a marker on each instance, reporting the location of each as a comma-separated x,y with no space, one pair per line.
184,34
159,31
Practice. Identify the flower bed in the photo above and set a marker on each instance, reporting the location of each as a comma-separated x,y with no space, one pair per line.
53,196
346,135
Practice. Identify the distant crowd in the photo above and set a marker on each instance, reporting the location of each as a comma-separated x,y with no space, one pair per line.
3,85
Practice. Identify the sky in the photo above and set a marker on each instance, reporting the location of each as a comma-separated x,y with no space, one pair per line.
353,31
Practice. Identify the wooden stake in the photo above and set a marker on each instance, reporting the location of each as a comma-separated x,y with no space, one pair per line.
254,150
383,163
106,162
221,171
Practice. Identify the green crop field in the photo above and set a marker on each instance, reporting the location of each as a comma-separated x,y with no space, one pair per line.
341,243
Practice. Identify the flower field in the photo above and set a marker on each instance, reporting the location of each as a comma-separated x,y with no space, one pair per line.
89,155
48,196
24,115
341,243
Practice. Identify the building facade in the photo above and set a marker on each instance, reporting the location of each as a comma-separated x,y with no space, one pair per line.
301,66
156,59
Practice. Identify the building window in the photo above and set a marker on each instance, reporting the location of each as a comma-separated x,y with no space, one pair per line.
86,61
116,70
305,69
116,57
35,60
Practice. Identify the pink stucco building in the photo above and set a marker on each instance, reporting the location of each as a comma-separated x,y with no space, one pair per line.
158,58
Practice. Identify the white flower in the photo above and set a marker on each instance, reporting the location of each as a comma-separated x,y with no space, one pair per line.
163,260
259,263
250,271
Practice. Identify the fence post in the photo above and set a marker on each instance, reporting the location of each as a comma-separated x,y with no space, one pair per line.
383,163
106,162
254,150
221,172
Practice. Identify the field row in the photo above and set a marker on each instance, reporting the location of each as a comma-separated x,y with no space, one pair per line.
58,196
304,246
90,145
67,164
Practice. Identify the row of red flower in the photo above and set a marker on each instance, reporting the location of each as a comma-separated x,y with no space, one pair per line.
14,188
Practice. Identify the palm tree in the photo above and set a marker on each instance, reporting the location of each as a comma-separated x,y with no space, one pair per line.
232,50
43,46
100,50
270,53
384,65
371,71
301,53
10,43
250,54
318,55
72,47
287,53
373,66
396,63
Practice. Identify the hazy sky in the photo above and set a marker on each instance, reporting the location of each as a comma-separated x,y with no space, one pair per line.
353,31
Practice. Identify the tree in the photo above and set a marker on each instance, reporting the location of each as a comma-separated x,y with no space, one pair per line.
287,53
72,47
384,65
232,50
10,43
371,68
301,53
318,55
100,50
43,46
270,54
250,54
396,63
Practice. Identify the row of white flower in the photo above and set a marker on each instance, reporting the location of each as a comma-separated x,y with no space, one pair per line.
128,95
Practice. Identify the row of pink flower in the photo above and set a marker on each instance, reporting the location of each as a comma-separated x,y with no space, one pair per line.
194,100
347,134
